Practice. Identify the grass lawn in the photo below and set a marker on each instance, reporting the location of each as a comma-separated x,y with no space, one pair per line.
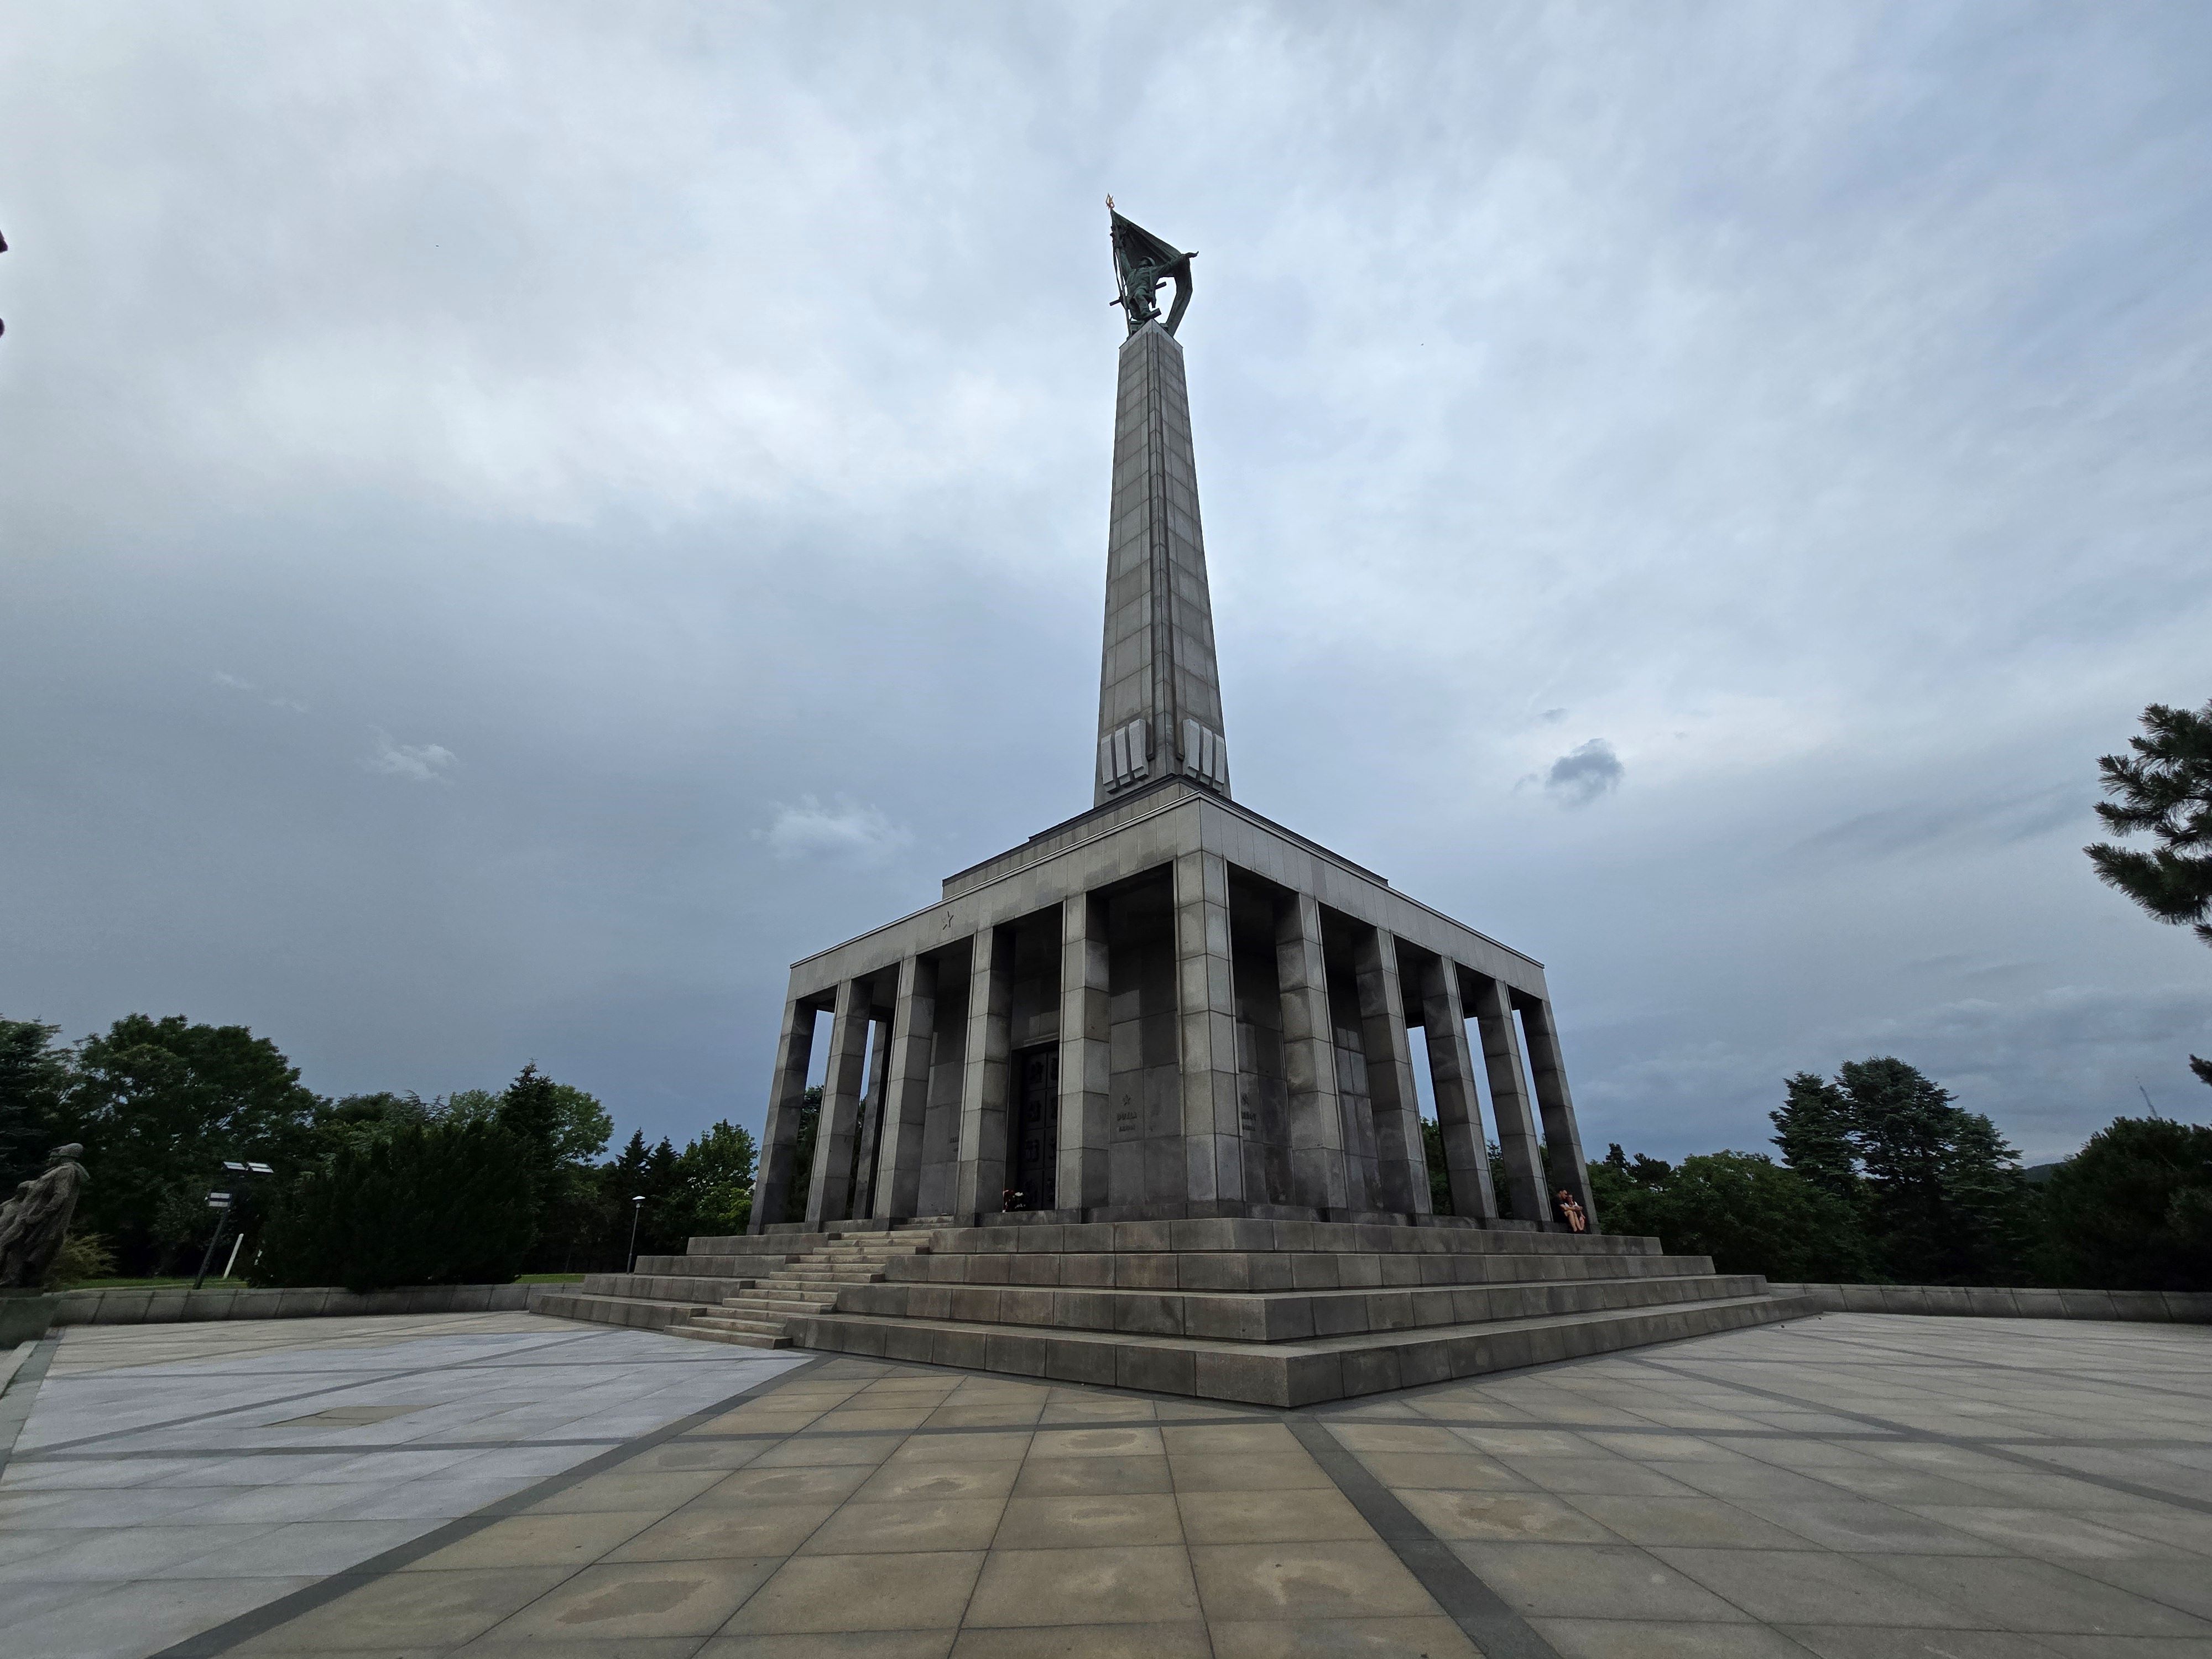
548,1278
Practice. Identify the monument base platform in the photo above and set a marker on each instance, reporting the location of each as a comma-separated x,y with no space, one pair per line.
1268,1312
1217,1210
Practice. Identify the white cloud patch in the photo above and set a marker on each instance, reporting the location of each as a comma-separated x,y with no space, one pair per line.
424,762
1585,772
847,833
235,682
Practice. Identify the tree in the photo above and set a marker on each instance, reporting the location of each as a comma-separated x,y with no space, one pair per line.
802,1156
160,1105
1745,1211
1432,1149
35,1078
1942,1197
565,1129
1944,1188
573,1124
2132,1209
715,1175
1813,1130
2164,788
437,1203
358,1119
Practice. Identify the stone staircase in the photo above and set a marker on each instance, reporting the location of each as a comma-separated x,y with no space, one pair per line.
741,1291
1270,1312
810,1282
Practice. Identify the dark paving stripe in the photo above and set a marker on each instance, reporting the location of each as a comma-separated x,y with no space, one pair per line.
262,1619
817,1431
162,1453
23,1388
2040,1465
1476,1609
1846,1436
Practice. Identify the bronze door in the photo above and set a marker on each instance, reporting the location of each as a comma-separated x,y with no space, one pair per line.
1035,1156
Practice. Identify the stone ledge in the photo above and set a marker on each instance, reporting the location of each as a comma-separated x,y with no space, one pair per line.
642,1313
1287,1374
1247,1234
1275,1270
151,1306
1272,1318
2006,1302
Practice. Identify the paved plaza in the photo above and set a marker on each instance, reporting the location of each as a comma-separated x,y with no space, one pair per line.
1846,1486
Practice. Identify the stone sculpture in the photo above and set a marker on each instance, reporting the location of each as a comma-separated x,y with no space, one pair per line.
34,1223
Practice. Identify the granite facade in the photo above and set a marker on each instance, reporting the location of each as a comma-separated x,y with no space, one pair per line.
1229,1008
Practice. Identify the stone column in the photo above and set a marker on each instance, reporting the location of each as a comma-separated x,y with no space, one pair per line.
1401,1161
906,1091
1563,1142
1206,1000
1317,1164
1508,1097
794,1050
1085,1059
986,1065
1451,1079
872,1116
830,1196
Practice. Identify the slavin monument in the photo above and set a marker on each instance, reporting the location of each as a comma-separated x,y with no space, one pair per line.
1135,1103
1168,1006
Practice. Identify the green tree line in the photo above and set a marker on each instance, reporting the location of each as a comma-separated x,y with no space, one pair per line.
369,1190
1883,1178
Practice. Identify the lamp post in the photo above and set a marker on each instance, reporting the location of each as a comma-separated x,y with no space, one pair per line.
636,1209
220,1204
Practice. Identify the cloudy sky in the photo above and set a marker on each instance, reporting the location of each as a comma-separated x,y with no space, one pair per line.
517,522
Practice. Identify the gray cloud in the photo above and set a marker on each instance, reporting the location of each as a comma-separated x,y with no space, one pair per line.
1585,772
678,413
422,763
845,832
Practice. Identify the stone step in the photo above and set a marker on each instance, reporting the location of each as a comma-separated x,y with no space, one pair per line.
744,1245
1287,1316
1301,1236
562,1301
1241,1270
1283,1373
707,1267
735,1339
657,1287
720,1322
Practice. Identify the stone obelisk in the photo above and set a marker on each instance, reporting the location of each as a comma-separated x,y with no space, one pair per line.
1159,692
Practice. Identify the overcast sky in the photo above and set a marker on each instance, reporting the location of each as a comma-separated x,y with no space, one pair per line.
519,522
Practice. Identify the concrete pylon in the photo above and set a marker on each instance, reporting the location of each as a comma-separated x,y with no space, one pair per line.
1159,693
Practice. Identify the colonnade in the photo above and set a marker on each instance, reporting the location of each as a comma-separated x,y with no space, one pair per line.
1348,1154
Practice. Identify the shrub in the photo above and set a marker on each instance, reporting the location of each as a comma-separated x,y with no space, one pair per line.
81,1256
1746,1211
437,1203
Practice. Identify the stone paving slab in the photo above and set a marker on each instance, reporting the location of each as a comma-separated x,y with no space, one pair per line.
1849,1485
171,1478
